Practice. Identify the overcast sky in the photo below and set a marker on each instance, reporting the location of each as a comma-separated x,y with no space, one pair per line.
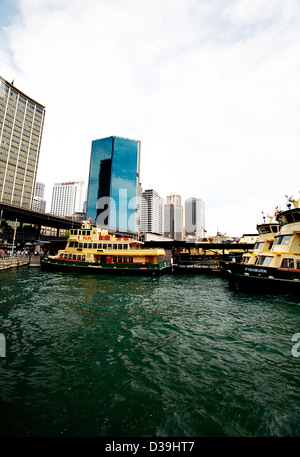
209,87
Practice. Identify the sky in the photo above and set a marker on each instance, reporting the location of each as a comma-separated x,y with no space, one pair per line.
209,87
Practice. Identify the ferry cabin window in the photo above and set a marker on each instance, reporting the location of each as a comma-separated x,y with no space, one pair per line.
84,245
282,239
94,245
74,256
298,264
258,245
99,245
263,260
104,246
286,239
267,261
265,230
289,218
297,217
109,246
287,263
120,246
115,246
90,246
125,246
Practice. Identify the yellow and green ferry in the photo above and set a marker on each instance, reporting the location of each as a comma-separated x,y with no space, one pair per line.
91,249
274,264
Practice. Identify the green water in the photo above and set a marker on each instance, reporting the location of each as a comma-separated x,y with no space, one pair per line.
155,357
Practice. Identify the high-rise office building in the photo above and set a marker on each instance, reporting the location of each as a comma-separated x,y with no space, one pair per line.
173,217
67,198
152,213
39,190
194,217
21,127
114,184
39,204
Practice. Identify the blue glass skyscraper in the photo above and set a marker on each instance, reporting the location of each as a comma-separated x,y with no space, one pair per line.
113,188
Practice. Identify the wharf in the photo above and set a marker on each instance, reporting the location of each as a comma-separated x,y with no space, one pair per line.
212,266
35,261
13,262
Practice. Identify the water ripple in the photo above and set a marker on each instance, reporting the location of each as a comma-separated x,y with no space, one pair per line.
170,356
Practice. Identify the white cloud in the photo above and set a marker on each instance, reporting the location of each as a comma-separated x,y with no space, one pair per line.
210,88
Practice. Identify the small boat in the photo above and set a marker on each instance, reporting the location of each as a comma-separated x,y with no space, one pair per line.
91,249
274,264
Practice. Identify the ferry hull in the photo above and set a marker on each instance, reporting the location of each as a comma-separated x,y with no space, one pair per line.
89,268
259,278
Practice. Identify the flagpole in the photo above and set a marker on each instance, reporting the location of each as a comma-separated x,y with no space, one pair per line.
14,237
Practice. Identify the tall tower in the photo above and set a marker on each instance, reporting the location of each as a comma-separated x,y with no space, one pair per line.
152,215
114,184
21,127
194,217
173,217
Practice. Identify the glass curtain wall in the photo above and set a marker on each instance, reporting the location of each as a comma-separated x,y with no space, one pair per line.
114,183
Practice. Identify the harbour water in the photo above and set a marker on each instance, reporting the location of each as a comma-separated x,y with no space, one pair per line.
173,356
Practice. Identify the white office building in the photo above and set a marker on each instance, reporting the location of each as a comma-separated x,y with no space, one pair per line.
194,217
152,213
173,225
39,204
68,198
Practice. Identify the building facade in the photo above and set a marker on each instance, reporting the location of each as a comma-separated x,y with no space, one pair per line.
114,184
194,216
21,128
67,198
39,204
173,217
152,213
39,190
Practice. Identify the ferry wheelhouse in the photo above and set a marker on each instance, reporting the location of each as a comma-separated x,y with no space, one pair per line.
274,263
91,249
267,232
